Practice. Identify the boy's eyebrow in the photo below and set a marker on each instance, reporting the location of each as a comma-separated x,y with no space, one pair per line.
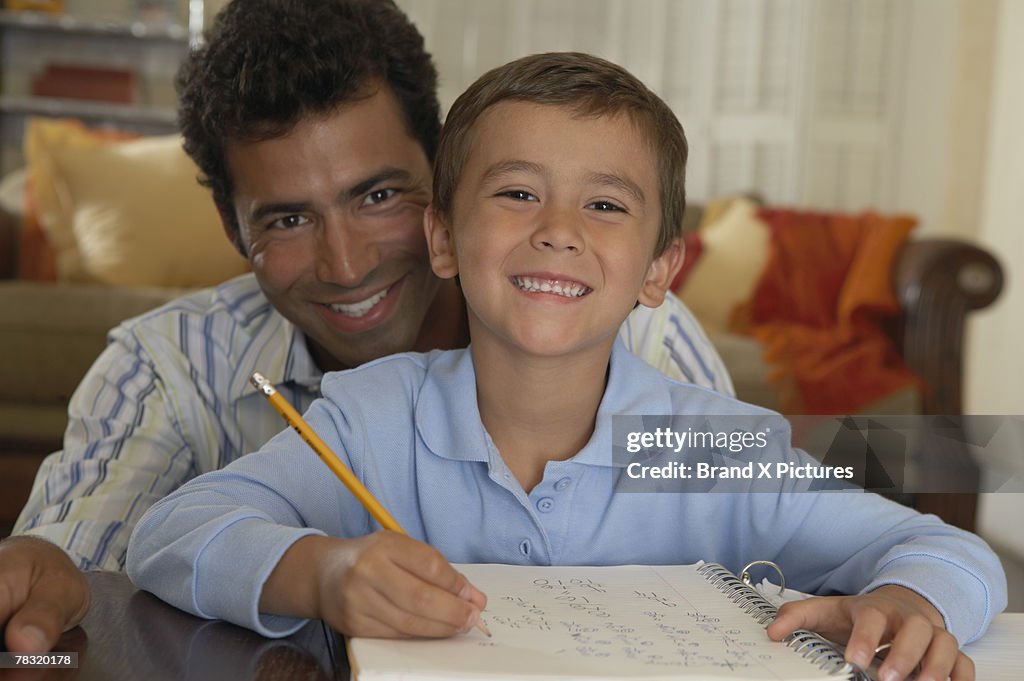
610,180
360,188
500,168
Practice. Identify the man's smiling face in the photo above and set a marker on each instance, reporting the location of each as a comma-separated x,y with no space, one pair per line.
331,219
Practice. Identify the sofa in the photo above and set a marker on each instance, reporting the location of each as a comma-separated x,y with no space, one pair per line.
51,331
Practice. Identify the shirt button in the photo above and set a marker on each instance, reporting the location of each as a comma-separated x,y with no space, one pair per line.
545,504
562,484
524,547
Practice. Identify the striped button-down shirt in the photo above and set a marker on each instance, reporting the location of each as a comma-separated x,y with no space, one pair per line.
170,399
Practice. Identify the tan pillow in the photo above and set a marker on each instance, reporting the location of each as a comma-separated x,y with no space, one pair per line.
735,247
126,213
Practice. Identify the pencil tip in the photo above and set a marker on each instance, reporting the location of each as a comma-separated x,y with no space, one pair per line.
483,627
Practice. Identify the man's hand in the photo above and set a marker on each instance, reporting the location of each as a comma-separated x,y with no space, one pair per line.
887,614
383,585
42,594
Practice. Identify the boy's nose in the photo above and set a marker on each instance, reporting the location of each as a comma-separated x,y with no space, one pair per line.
559,229
344,254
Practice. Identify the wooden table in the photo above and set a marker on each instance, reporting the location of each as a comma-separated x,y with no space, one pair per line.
130,635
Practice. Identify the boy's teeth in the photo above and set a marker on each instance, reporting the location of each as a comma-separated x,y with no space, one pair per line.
362,307
569,290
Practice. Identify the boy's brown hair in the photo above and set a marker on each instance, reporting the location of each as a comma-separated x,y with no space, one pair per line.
588,85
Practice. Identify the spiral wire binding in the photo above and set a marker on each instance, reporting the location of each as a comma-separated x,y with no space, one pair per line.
810,645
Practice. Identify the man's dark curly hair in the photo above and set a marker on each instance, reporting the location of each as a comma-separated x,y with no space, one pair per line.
267,64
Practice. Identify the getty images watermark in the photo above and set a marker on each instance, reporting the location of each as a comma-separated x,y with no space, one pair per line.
896,455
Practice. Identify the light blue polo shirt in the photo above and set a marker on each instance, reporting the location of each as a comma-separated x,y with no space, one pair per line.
409,427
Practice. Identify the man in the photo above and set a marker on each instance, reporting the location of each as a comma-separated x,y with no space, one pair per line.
314,125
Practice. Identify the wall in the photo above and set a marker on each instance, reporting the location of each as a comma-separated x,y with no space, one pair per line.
995,363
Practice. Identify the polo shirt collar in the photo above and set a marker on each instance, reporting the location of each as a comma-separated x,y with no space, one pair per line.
448,416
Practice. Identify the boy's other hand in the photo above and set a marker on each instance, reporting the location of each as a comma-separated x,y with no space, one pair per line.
42,594
384,585
887,614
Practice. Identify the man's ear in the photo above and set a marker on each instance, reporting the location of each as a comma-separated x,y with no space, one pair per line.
231,231
660,274
440,243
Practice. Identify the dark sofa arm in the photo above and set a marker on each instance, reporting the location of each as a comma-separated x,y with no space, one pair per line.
939,281
8,245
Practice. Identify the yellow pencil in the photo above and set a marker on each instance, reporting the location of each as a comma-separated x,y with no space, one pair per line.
365,497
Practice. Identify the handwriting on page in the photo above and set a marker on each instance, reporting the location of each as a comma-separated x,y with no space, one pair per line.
644,618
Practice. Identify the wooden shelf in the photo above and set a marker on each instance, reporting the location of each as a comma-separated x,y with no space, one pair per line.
81,108
45,23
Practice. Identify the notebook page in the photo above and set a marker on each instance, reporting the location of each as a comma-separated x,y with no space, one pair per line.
647,622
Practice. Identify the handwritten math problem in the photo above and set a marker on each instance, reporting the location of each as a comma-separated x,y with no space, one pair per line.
650,622
626,622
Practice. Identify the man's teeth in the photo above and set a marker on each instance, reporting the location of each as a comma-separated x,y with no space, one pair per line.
362,307
567,289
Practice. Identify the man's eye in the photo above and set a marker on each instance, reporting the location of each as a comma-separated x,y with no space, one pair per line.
605,206
289,222
379,196
519,195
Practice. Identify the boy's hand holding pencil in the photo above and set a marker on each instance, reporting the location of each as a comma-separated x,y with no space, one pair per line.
385,585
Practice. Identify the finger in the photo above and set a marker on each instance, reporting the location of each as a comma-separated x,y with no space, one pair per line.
363,604
396,582
412,621
422,601
963,669
941,657
909,646
371,618
821,614
57,601
428,564
36,626
42,593
868,629
470,593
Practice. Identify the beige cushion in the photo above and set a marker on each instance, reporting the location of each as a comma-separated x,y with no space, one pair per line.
12,191
126,212
735,250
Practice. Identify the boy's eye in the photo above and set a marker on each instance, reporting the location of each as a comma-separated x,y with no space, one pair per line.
519,195
289,222
605,206
379,196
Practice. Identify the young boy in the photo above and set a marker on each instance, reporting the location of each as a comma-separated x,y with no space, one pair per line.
558,200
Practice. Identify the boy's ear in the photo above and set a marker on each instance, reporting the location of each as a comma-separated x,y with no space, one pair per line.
440,244
660,274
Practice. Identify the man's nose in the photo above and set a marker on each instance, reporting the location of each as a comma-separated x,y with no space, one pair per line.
345,255
559,228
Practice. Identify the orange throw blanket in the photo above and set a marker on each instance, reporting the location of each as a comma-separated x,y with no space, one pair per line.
821,307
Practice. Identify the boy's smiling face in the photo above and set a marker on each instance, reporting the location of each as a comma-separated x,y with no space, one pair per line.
553,228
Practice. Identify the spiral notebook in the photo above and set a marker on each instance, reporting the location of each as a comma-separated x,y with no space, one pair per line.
625,622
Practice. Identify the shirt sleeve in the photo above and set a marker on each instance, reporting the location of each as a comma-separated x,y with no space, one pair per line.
852,542
123,450
670,339
209,547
